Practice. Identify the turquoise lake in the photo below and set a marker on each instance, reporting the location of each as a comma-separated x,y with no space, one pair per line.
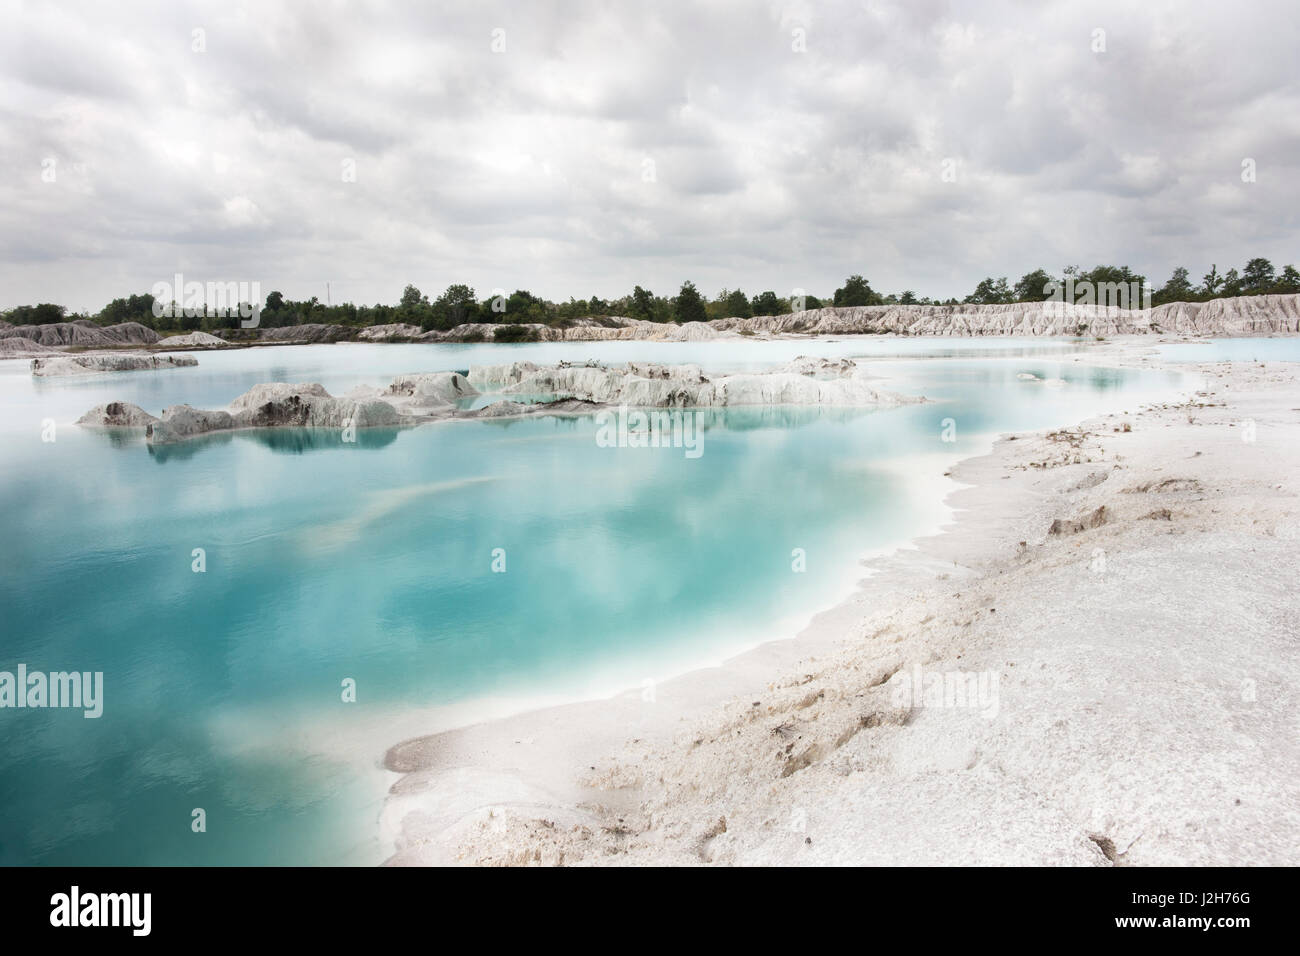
372,561
1234,350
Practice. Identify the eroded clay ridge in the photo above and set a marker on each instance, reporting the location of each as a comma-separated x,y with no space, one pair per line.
81,333
84,364
1244,315
1241,316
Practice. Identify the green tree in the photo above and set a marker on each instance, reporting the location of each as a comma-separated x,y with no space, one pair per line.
856,291
737,305
1115,285
642,305
274,311
1231,283
689,305
456,306
1288,281
412,299
1036,286
46,313
1258,277
135,308
1212,281
990,291
907,298
767,303
1177,289
733,305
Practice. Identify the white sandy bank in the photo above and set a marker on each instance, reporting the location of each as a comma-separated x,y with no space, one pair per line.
1133,697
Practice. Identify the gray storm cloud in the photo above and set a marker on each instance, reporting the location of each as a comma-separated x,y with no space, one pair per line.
578,149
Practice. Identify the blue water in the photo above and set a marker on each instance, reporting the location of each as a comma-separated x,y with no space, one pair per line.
373,561
1234,350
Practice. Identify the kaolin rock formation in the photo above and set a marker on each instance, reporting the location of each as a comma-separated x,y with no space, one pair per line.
410,399
111,362
564,389
803,382
1243,315
272,405
82,333
1239,316
193,340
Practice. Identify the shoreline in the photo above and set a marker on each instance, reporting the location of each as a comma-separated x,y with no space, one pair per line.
351,336
1264,314
490,793
502,720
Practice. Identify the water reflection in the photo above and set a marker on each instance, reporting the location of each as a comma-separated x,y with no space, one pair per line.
285,441
734,418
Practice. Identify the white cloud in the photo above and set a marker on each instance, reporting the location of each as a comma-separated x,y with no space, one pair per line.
524,169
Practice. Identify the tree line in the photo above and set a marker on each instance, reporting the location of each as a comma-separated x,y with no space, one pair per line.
459,304
1257,277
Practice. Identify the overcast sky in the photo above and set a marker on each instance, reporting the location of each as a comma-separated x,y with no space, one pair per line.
767,146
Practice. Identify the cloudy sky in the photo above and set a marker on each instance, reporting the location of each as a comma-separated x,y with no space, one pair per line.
582,148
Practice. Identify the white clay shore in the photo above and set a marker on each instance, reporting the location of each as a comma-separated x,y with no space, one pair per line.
1134,683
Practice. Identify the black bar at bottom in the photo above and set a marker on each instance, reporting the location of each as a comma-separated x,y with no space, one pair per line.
335,905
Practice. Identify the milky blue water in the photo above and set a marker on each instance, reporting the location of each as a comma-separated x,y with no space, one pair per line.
373,562
1234,350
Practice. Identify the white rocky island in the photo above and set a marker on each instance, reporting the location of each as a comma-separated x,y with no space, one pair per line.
561,389
804,381
58,365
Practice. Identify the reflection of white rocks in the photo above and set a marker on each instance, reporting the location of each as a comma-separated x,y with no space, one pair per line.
685,386
1047,382
120,362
